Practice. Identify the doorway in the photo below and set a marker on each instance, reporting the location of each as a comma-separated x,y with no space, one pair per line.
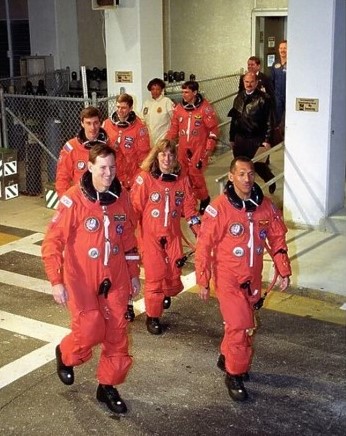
269,28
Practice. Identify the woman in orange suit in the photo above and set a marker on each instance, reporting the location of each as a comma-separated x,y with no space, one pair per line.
161,195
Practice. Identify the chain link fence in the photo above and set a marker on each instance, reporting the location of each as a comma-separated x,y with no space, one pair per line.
55,83
38,126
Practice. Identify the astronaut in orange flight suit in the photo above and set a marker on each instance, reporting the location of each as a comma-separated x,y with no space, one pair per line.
160,194
130,137
91,259
73,158
195,123
230,246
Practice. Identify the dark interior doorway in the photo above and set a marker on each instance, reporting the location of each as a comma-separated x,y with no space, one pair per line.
268,31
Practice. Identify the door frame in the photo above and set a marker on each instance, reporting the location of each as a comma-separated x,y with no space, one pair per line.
257,13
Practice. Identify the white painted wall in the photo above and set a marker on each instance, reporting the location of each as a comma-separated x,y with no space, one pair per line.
337,155
308,134
212,38
134,43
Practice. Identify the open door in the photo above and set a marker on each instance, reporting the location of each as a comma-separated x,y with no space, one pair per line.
269,28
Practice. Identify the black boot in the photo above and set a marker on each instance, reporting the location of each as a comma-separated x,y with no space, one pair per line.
203,205
221,364
65,373
236,388
153,326
167,302
109,395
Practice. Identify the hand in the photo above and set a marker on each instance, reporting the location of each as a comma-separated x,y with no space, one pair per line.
136,286
204,293
60,294
284,283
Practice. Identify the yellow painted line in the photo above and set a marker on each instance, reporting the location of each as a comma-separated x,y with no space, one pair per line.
5,238
306,307
301,306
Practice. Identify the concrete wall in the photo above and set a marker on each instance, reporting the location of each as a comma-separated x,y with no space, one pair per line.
53,31
210,38
92,52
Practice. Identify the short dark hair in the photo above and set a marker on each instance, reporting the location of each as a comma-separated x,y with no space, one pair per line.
90,112
256,59
100,149
240,159
190,84
157,82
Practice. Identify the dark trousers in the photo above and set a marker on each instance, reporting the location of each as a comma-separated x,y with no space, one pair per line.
248,147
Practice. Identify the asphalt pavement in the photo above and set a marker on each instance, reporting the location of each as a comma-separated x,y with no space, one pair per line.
297,381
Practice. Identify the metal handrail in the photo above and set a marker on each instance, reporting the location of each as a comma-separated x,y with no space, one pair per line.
221,180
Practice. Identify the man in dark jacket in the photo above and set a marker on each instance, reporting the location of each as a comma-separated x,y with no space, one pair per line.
264,83
252,124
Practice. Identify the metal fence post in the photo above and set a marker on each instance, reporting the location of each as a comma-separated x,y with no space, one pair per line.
94,99
4,141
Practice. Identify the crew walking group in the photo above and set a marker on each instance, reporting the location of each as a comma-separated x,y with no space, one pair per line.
123,188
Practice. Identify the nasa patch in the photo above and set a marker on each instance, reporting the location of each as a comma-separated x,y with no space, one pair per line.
236,229
155,197
81,165
93,253
92,224
238,251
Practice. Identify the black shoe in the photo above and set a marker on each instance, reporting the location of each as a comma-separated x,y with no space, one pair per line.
221,364
167,302
153,326
236,388
65,373
272,188
203,205
109,395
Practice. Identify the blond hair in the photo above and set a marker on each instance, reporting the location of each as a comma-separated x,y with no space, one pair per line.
151,162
